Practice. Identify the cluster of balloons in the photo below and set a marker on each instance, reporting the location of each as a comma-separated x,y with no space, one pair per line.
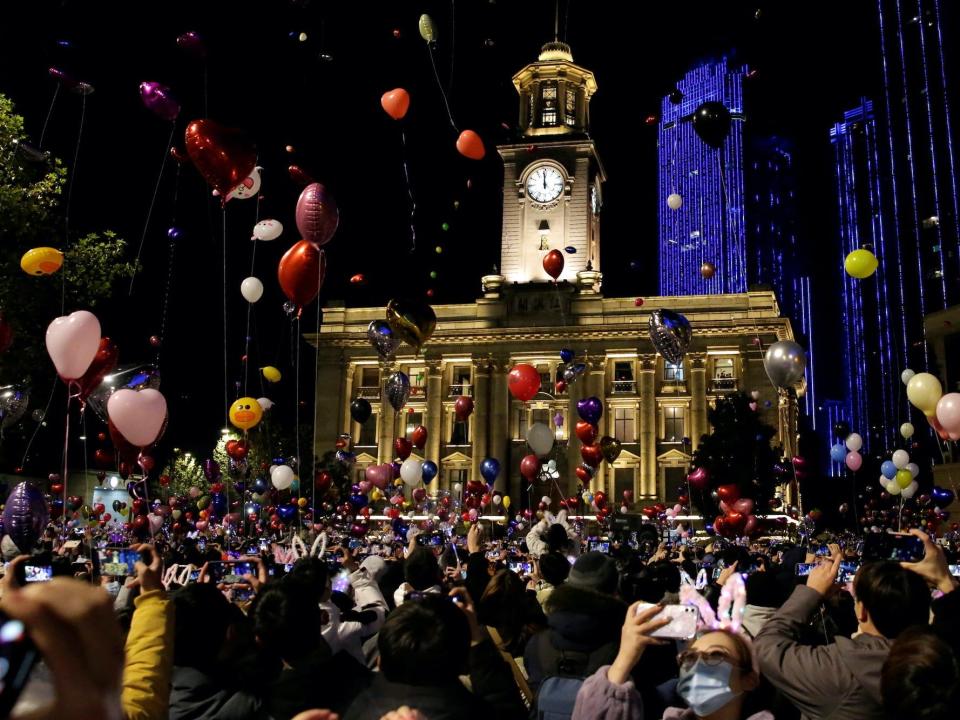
941,410
898,475
848,452
409,321
571,373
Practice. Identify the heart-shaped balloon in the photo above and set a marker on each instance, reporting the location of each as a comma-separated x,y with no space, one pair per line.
670,334
412,321
744,506
419,437
699,478
736,521
74,502
572,372
301,272
402,447
160,100
583,474
590,409
649,511
56,489
566,355
317,215
610,447
942,496
586,432
600,499
25,515
398,390
139,415
396,103
382,338
592,455
103,363
224,156
729,493
379,475
72,343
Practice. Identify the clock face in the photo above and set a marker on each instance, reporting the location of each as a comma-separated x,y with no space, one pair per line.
544,184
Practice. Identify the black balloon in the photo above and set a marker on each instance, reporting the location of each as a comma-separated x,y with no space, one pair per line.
360,410
841,430
675,97
711,122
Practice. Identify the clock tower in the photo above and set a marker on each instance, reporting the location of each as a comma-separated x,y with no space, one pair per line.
553,177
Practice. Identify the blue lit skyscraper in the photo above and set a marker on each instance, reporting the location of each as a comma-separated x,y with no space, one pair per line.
710,225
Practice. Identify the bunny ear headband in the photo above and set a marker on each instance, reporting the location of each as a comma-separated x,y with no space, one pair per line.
729,615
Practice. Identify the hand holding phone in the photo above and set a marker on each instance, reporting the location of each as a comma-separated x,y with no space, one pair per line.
682,621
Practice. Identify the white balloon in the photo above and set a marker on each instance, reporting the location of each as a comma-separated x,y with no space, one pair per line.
540,439
906,375
909,491
282,477
267,230
265,403
457,487
411,472
900,459
251,289
545,499
755,394
854,442
907,430
894,488
497,499
248,188
913,468
674,201
552,465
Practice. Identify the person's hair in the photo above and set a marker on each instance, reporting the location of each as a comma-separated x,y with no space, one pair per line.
896,598
745,654
764,590
554,568
556,537
424,642
287,619
202,616
666,575
420,569
920,677
312,573
505,605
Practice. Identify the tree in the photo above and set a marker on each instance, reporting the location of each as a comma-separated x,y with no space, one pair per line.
184,472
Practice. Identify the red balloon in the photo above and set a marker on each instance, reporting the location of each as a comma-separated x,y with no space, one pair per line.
729,493
164,480
463,407
6,334
103,364
470,145
561,386
396,103
146,463
650,511
103,458
530,467
419,437
299,176
586,432
699,478
553,263
317,215
628,496
128,453
56,489
583,474
600,499
223,155
402,447
301,272
523,381
592,455
736,522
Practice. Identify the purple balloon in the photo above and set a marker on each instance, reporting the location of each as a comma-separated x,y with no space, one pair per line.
317,215
211,470
159,99
192,43
590,409
25,516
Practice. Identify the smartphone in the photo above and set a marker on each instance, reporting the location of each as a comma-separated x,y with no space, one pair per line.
847,572
905,548
194,575
683,621
18,655
430,540
492,554
71,545
602,546
30,573
341,583
118,562
355,543
803,569
520,566
821,551
231,572
242,593
955,570
201,544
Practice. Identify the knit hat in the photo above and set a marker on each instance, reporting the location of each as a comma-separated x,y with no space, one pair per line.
594,571
375,566
554,568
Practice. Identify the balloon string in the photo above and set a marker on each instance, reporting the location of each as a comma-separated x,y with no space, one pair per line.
253,261
46,410
443,93
410,198
83,420
66,214
153,201
226,379
171,257
53,102
453,41
66,446
297,424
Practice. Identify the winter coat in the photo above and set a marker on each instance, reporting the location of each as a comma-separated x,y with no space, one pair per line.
194,695
149,657
840,681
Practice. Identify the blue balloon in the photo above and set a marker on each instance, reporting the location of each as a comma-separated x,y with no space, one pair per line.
566,355
489,469
428,470
358,500
286,512
838,452
888,469
570,250
259,486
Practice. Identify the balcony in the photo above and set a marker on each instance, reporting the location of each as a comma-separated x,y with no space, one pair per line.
458,389
723,385
369,392
418,391
623,387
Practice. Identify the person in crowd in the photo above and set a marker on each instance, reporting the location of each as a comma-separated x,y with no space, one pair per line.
551,570
553,534
764,596
357,613
920,679
512,611
421,573
935,570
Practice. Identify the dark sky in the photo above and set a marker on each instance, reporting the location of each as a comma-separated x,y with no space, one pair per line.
814,59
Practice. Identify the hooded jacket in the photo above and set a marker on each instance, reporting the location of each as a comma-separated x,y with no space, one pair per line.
840,681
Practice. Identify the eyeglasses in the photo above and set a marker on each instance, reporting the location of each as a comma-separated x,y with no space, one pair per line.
688,658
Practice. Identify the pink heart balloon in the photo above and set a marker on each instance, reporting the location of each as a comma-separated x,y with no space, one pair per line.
72,343
743,505
379,475
138,415
365,486
201,525
156,522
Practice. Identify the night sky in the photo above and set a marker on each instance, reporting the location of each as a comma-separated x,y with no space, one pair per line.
814,59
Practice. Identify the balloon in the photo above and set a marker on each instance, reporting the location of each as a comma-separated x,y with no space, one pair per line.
907,430
360,410
913,468
674,201
402,447
590,409
558,420
553,263
41,261
419,437
470,146
610,447
251,289
785,362
267,230
854,460
711,122
159,100
489,469
670,334
941,496
506,502
888,469
429,471
900,459
379,475
592,455
192,43
271,373
910,490
247,189
382,338
282,477
72,343
729,493
411,471
838,452
396,103
14,400
586,432
428,30
139,416
948,412
924,392
25,516
540,439
398,390
906,375
904,478
530,467
223,155
412,321
6,334
572,372
301,272
707,270
566,355
860,264
523,381
317,215
854,441
245,413
133,377
463,408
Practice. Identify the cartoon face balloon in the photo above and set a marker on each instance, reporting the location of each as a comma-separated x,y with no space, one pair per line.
245,413
248,188
267,230
41,261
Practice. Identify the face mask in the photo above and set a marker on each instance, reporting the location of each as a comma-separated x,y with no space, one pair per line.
706,688
113,588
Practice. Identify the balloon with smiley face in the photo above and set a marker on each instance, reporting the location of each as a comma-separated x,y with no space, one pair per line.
245,413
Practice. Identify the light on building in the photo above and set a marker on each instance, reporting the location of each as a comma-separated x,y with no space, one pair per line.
114,482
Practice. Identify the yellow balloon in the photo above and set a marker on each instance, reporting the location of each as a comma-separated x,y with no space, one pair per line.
904,478
245,413
860,264
41,261
506,502
271,373
924,391
375,494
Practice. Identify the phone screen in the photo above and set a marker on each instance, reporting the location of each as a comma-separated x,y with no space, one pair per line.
847,572
37,573
520,566
118,562
602,546
683,621
432,540
194,575
905,548
17,658
803,569
955,570
231,572
341,583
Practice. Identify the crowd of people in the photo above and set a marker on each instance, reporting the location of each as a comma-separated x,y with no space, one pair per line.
557,624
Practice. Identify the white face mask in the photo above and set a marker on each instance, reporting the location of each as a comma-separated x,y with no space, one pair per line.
706,688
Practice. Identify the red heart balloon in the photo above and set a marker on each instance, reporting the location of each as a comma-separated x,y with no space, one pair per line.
592,455
729,493
583,475
396,103
103,364
720,525
56,489
600,499
223,155
649,511
322,481
463,408
74,502
301,272
231,447
419,437
402,447
586,432
736,522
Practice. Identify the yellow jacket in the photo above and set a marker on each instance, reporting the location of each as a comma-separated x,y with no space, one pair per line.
149,658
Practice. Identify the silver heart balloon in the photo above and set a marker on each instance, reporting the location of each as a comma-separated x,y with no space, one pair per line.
785,362
398,390
572,372
132,377
670,334
381,336
13,404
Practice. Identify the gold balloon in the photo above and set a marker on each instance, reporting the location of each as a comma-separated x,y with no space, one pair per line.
41,261
411,321
271,373
245,413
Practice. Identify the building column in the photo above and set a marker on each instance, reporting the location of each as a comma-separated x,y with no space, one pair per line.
498,439
346,423
481,414
648,425
787,416
698,398
597,387
434,419
327,423
385,421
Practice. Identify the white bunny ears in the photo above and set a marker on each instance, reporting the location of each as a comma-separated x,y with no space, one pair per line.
733,601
